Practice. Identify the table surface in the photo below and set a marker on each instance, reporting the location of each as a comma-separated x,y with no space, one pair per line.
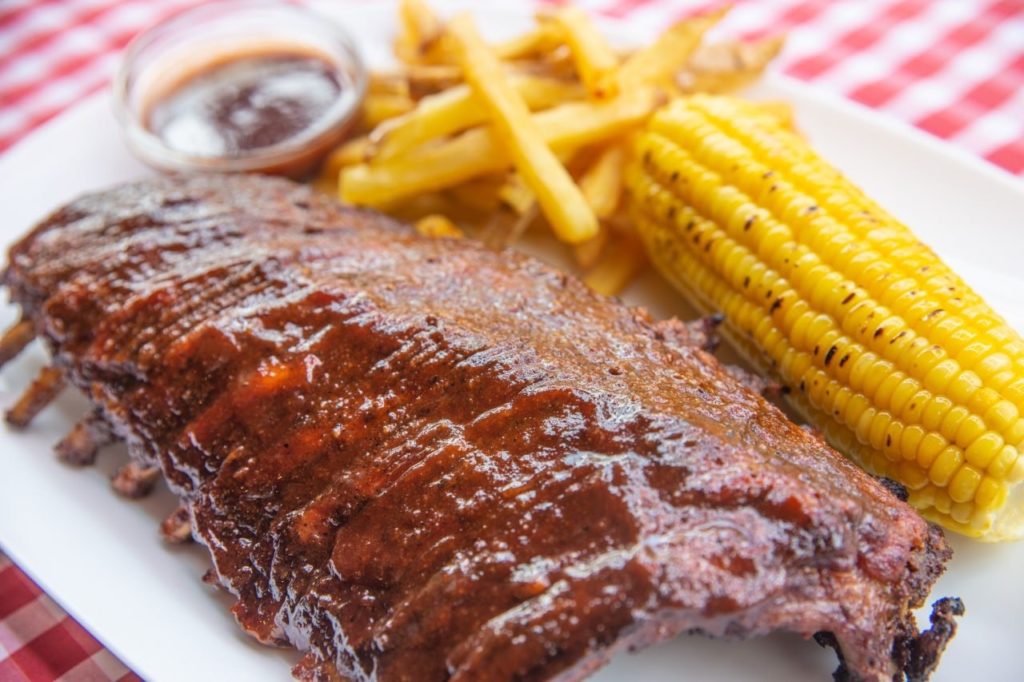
952,68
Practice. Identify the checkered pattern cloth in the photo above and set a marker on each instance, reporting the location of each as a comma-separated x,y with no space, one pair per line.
40,643
954,68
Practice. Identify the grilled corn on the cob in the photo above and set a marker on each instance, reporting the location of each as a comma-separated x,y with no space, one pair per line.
884,348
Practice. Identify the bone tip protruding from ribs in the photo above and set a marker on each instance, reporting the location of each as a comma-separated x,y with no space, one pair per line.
83,442
177,528
915,655
15,340
135,480
43,391
920,655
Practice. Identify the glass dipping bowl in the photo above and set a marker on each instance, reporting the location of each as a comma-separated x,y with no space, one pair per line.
166,57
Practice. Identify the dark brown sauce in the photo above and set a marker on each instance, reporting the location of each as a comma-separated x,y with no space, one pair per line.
246,104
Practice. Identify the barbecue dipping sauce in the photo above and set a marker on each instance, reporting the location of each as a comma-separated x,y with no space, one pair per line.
245,104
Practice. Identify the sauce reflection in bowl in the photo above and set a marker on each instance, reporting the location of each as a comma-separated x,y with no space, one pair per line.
240,87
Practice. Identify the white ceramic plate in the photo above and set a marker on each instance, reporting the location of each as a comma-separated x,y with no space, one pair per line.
101,557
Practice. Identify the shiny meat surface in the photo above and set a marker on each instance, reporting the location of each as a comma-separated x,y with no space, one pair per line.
422,460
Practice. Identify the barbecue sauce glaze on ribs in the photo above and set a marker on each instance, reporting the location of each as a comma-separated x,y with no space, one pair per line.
419,459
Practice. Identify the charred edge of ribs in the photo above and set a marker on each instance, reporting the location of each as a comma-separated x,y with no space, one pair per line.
916,654
43,391
700,333
135,480
755,382
815,432
827,640
898,490
15,340
83,442
177,528
705,331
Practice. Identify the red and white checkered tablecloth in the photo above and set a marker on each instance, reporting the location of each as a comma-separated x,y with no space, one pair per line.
954,68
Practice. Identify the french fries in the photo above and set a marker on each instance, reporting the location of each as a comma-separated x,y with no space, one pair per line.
517,195
594,58
602,183
729,66
662,60
457,109
437,225
419,29
477,152
380,108
543,39
560,199
490,140
620,261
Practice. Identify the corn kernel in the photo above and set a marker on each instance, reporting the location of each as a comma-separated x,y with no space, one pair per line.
935,412
964,483
940,376
1016,474
984,449
962,512
910,441
1000,467
922,498
990,493
945,465
876,436
962,387
931,445
970,430
912,476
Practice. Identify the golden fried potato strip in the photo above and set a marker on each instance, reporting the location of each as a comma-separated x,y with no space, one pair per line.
457,109
659,62
477,152
595,60
729,66
560,199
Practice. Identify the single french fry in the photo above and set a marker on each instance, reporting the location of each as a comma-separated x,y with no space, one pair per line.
418,28
388,83
457,109
480,194
516,194
353,151
379,108
621,222
432,203
729,66
405,46
560,199
601,184
620,261
437,225
326,183
595,60
429,79
589,251
660,62
505,227
478,152
544,38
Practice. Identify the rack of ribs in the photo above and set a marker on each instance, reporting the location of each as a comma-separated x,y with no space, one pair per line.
421,459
